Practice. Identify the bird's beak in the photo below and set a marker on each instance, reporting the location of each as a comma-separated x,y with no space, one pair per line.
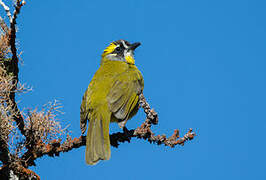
130,58
134,45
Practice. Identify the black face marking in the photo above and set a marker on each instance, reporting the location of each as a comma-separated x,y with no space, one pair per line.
119,50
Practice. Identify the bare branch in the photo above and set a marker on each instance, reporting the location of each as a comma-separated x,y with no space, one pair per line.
12,39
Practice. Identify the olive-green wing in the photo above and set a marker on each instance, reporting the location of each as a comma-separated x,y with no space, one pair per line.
85,109
124,94
84,112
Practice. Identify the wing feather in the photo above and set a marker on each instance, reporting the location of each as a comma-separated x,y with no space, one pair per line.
123,95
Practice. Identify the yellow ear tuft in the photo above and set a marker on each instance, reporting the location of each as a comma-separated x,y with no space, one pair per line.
109,49
130,59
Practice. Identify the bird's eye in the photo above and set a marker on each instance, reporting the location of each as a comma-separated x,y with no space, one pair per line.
118,49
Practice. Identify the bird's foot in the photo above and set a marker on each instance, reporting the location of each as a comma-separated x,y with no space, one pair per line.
122,124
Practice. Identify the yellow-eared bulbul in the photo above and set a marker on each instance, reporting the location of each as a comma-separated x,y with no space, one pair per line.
112,96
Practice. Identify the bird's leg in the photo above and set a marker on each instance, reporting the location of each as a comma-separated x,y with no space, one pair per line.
122,124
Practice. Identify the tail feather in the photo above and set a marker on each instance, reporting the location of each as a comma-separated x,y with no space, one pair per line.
98,140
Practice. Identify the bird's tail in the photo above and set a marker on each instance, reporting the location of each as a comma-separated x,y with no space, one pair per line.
98,140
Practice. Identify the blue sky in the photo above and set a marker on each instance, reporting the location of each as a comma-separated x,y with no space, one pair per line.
203,64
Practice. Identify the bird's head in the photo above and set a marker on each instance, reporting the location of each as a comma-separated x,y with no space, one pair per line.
121,50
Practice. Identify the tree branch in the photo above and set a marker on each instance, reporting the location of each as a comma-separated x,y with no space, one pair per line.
14,64
55,147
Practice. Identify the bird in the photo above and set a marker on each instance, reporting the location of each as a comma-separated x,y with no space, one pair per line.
112,96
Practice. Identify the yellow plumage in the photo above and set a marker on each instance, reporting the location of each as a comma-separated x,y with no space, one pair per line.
112,96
